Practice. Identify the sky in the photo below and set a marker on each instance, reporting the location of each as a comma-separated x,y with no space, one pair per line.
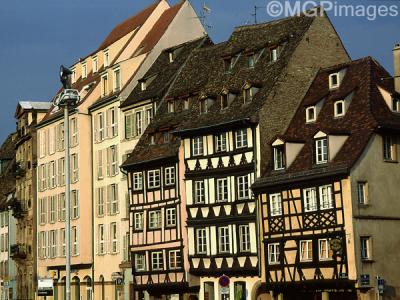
37,36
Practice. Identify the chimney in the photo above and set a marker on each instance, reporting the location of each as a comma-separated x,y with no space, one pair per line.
396,60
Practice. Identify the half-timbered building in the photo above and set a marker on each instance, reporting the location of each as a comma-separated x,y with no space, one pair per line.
238,94
329,194
157,221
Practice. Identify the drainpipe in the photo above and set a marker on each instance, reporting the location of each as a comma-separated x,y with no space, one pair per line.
93,205
396,67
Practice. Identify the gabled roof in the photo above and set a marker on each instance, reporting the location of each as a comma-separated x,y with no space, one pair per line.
163,72
367,113
32,105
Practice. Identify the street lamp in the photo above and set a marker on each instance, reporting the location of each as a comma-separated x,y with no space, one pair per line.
68,98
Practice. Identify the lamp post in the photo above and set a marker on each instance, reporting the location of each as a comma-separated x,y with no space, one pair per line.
68,98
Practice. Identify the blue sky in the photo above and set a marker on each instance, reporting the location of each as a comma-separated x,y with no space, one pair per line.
36,37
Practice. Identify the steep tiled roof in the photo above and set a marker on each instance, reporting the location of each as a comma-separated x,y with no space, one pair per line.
127,26
7,149
7,178
163,71
366,113
204,73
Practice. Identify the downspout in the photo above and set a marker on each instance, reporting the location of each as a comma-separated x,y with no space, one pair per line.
93,207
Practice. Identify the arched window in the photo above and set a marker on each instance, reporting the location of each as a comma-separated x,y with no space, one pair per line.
77,285
102,286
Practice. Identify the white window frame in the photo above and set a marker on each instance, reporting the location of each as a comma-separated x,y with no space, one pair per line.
170,176
321,151
114,238
137,181
274,54
140,262
331,83
222,189
84,70
155,219
279,158
306,254
310,199
244,238
362,192
61,207
199,192
153,177
129,125
197,145
138,221
75,167
104,85
224,239
201,241
326,197
114,201
95,64
74,204
221,142
323,250
174,259
113,114
365,248
106,58
74,241
241,139
310,118
157,260
274,253
117,81
52,209
336,111
101,239
100,202
243,185
62,242
275,203
170,217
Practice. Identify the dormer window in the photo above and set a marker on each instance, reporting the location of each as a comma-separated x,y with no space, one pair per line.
396,104
203,106
95,67
104,84
186,103
321,150
171,106
334,80
251,61
166,137
84,70
143,85
171,56
228,64
279,157
117,80
311,114
224,101
274,54
106,58
339,108
73,76
152,139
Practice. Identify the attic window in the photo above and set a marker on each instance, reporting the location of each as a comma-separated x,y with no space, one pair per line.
251,61
106,58
94,64
274,54
143,85
203,106
84,70
279,157
339,108
73,76
311,115
224,101
321,150
171,56
166,137
334,80
228,64
396,104
171,106
186,103
152,139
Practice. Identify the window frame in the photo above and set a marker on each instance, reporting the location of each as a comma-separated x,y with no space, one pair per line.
199,192
365,248
155,223
138,221
331,194
306,250
222,190
159,266
243,193
170,217
169,176
279,164
308,110
137,179
328,254
241,138
275,207
335,105
197,146
362,194
224,239
244,238
201,241
313,206
153,178
321,157
176,262
274,255
221,142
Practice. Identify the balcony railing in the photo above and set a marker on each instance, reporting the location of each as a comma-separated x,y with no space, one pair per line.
20,169
18,208
18,251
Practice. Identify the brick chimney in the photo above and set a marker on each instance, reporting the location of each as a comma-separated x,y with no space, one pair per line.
396,60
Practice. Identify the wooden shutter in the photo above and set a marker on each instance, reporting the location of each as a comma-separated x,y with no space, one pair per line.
108,160
109,190
117,198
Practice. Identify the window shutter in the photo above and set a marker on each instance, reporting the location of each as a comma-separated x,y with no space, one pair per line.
97,235
116,198
118,237
108,124
108,159
116,120
109,191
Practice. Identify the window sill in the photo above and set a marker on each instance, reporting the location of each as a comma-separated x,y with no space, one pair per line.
367,260
393,161
364,205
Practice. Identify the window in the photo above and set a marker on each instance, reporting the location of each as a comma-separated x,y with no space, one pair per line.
279,157
53,209
114,237
171,106
228,64
324,249
53,243
104,85
75,173
73,75
43,243
53,174
274,54
199,196
137,181
244,238
157,261
310,201
247,94
250,61
75,204
100,202
74,240
74,132
113,122
140,262
198,146
169,175
117,80
321,147
61,171
362,193
325,197
52,141
43,211
224,101
203,106
174,259
201,239
113,199
100,127
155,219
61,207
241,138
138,221
171,56
365,247
101,238
339,108
243,187
170,217
43,177
62,242
166,137
220,142
311,114
389,148
106,58
396,104
60,137
143,85
100,164
139,122
306,250
95,66
112,160
84,70
275,202
153,178
273,253
129,125
186,103
334,80
222,189
224,239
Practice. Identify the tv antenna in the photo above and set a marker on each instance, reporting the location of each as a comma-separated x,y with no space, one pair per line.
205,11
254,14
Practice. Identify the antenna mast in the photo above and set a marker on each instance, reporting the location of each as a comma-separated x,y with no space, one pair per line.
205,10
256,8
